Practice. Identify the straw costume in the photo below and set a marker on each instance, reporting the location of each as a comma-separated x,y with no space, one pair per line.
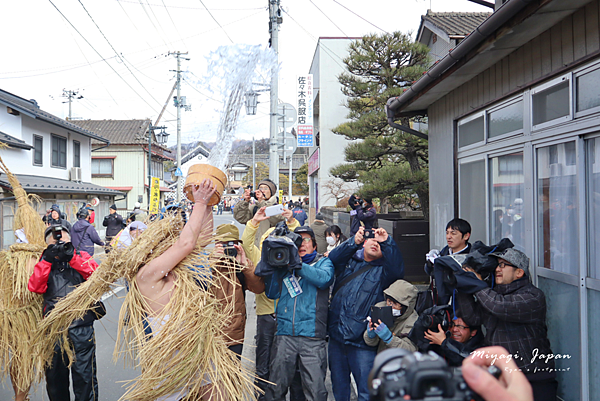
186,348
20,310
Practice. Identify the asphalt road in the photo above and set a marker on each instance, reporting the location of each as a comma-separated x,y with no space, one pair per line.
113,376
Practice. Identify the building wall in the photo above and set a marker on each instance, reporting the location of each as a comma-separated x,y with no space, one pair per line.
573,39
326,67
559,208
20,161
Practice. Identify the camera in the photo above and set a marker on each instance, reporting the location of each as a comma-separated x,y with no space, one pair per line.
398,373
431,321
280,248
369,233
229,249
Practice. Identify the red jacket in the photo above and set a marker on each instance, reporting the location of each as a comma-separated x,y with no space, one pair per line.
82,262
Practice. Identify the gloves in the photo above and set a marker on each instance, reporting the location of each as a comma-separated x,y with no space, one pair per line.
50,254
384,333
370,333
68,252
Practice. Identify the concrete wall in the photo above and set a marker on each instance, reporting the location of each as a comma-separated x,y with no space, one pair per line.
327,65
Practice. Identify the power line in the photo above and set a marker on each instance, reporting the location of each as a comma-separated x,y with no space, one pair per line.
326,16
121,58
152,22
213,17
159,24
335,1
173,22
196,8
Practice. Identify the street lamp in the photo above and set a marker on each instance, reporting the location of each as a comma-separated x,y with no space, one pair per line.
161,139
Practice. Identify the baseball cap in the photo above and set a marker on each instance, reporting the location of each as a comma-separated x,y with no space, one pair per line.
305,229
227,232
515,257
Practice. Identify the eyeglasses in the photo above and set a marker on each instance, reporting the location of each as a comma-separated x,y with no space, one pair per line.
502,265
306,239
132,228
460,326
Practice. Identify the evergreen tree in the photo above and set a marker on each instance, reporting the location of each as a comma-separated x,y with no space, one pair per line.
386,161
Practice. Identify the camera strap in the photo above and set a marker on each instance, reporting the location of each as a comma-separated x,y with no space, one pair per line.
351,277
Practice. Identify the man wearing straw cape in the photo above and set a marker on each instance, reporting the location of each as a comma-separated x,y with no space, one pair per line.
156,284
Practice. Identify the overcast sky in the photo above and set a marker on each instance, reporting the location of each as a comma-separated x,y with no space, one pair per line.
115,52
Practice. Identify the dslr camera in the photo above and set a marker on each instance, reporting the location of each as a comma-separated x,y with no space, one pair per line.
397,373
61,249
280,248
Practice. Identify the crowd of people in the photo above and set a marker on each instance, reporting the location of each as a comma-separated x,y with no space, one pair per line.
329,303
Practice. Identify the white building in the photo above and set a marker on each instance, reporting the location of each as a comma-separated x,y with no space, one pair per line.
329,112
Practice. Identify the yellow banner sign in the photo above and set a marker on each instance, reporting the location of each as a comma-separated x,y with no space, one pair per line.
154,195
281,196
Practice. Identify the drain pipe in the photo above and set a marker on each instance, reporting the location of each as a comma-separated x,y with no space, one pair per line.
406,129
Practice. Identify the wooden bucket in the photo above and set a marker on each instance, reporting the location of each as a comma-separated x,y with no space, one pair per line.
197,173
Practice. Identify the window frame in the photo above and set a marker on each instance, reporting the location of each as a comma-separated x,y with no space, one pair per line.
547,85
112,167
576,74
60,138
41,138
500,106
76,155
468,119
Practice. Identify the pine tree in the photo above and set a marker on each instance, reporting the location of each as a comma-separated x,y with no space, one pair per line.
387,162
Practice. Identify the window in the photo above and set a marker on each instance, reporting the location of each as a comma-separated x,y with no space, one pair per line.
505,120
76,154
587,90
551,103
102,168
157,169
507,187
472,197
558,234
38,150
593,206
59,151
471,131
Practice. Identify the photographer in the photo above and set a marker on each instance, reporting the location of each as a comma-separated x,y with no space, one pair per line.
303,293
55,217
457,343
266,320
237,276
363,214
514,315
266,195
363,268
84,234
59,271
402,297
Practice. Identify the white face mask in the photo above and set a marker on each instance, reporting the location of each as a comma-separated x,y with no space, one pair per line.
396,312
330,240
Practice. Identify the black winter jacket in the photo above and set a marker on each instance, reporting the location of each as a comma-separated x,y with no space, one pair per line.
113,223
514,316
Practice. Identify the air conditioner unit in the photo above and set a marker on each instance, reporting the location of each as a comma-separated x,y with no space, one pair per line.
75,174
556,170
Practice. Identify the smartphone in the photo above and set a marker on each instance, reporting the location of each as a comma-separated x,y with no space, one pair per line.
383,313
274,210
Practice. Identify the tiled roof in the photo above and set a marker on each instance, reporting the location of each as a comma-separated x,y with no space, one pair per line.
198,150
297,162
37,184
31,108
14,142
119,132
453,23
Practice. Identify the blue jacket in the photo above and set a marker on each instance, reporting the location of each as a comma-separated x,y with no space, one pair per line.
352,303
368,218
306,314
84,236
300,215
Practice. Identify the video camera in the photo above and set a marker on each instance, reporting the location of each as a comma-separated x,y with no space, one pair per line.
62,250
397,373
280,250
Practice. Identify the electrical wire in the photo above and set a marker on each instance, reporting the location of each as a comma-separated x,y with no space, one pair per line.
368,22
158,21
326,16
203,94
134,25
121,58
213,17
196,8
172,22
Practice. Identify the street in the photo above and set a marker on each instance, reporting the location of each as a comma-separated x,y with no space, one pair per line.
113,376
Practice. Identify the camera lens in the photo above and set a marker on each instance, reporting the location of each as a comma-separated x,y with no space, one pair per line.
279,256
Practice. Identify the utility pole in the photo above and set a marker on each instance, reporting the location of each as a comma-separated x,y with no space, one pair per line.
70,95
274,21
179,105
253,165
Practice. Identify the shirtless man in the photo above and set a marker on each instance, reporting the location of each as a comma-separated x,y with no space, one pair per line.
155,282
